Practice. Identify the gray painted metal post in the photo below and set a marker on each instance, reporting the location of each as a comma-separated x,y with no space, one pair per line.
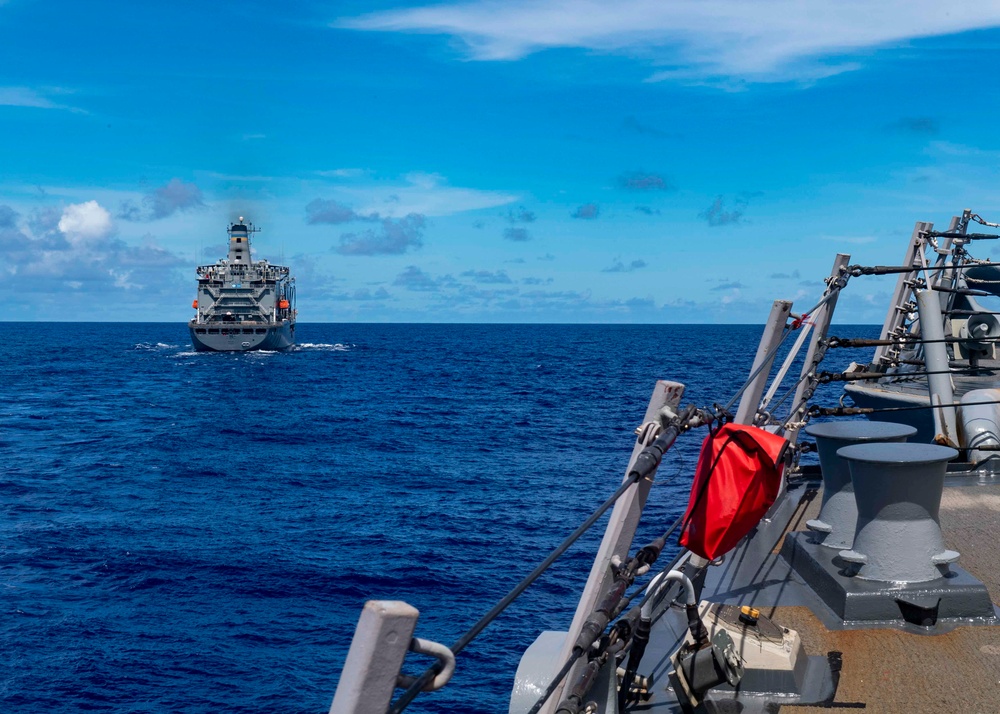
896,316
773,329
821,325
617,538
377,651
940,387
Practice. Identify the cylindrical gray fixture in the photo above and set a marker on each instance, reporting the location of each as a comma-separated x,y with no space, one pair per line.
838,516
898,490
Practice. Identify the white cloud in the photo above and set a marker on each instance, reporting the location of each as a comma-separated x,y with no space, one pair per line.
343,173
76,247
37,99
767,40
86,221
950,150
24,97
422,193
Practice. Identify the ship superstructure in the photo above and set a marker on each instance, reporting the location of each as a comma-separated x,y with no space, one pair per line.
243,304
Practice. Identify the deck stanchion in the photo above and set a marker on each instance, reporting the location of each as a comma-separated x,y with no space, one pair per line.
821,324
381,641
773,329
617,538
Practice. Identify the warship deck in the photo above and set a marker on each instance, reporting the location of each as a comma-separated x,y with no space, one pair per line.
915,387
903,668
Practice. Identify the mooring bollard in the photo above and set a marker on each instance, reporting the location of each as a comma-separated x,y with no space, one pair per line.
898,491
838,516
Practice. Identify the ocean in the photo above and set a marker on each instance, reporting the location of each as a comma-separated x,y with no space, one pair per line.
197,532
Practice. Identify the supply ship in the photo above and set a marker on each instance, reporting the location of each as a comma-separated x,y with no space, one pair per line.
243,304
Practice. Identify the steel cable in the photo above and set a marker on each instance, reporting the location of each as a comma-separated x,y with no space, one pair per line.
850,411
766,362
663,442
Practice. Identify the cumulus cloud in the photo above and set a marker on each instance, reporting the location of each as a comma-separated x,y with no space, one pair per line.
129,211
75,248
413,278
648,210
321,211
164,201
174,196
619,267
446,291
521,215
644,181
764,41
558,295
735,285
719,215
785,276
86,221
537,281
366,295
393,237
587,211
8,217
518,235
488,276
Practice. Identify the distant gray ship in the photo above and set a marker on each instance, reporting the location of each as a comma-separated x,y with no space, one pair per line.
243,304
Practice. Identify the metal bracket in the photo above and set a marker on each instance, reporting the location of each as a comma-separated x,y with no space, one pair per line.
443,655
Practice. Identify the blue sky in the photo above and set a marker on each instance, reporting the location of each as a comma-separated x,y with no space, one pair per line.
550,161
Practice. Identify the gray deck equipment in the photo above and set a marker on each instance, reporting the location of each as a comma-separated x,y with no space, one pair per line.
898,488
838,516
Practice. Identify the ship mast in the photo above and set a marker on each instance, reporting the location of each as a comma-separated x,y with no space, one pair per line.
239,243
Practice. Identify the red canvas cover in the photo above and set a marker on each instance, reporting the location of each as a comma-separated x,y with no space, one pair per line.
737,480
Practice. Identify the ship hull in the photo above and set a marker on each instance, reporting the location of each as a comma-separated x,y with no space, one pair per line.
242,337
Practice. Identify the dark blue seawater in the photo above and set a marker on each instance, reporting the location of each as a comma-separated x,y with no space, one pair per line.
186,532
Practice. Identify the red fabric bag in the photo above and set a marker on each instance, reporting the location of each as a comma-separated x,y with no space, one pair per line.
737,479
